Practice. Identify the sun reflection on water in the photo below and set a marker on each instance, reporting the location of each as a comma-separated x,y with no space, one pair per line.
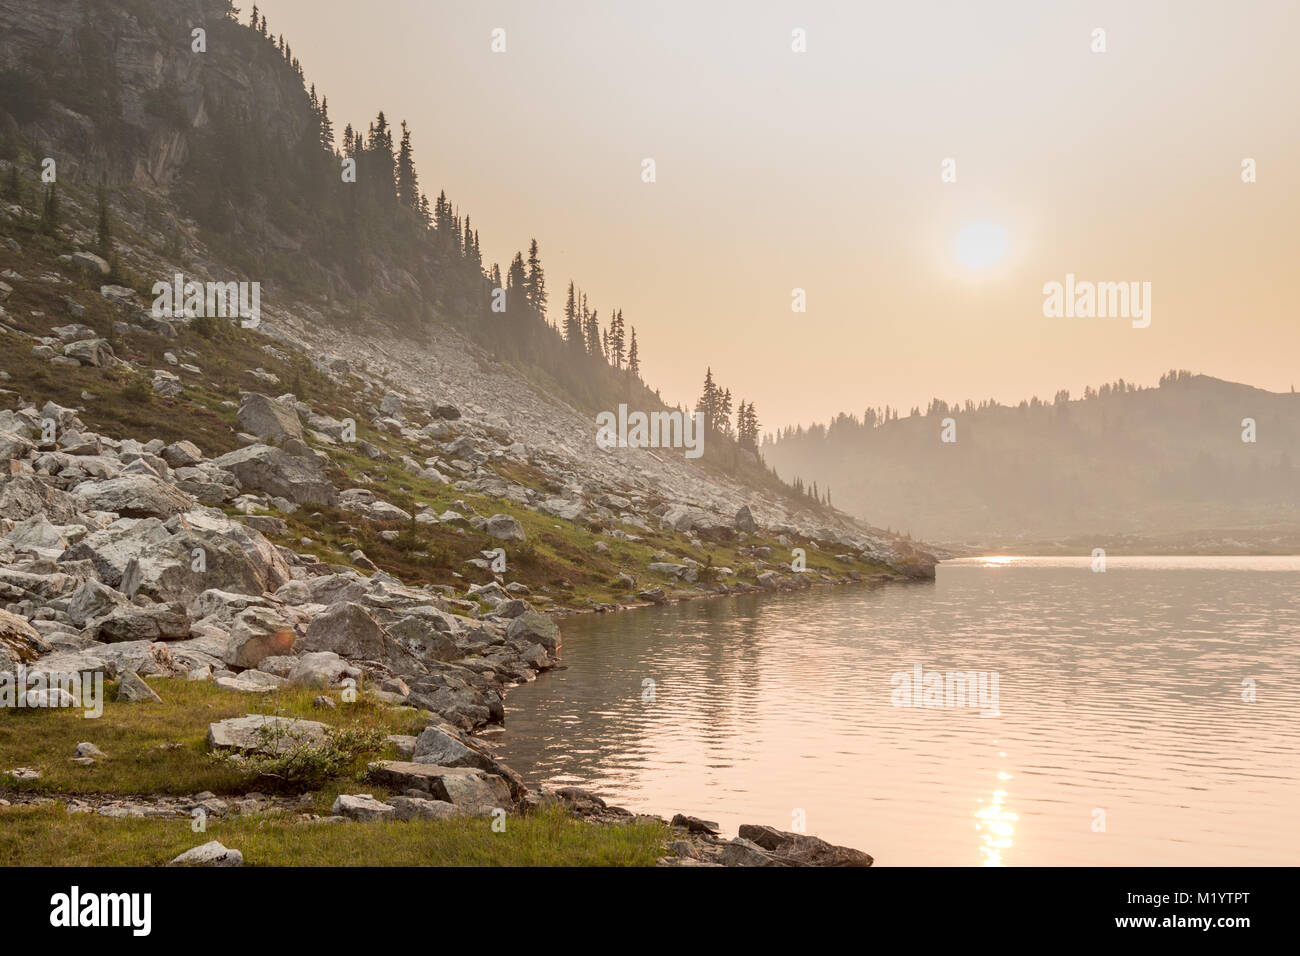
996,824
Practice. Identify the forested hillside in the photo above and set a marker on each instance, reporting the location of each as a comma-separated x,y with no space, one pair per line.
1120,460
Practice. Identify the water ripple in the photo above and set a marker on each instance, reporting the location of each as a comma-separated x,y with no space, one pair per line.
1123,735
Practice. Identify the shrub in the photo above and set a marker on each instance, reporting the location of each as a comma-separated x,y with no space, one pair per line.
138,390
290,759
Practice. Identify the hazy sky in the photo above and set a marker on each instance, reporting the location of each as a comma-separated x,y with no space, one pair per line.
821,170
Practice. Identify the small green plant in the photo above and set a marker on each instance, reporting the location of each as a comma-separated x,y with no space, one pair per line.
293,760
138,390
206,326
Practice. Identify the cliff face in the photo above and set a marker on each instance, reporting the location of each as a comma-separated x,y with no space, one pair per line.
127,92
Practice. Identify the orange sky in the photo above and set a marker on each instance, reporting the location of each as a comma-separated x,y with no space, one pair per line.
821,171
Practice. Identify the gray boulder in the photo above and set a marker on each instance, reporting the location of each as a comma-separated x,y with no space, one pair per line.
274,471
321,669
211,853
535,628
268,418
362,807
246,734
96,352
504,528
181,454
157,622
131,689
745,520
258,633
133,496
420,808
351,631
802,849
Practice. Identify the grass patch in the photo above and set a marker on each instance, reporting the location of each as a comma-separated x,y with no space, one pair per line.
50,836
162,748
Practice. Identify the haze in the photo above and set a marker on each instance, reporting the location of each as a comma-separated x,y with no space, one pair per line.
821,170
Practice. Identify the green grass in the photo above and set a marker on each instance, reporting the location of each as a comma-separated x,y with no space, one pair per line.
162,748
50,836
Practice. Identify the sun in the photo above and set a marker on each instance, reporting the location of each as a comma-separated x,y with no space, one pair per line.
981,245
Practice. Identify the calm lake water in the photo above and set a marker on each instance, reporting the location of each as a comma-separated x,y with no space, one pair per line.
1120,735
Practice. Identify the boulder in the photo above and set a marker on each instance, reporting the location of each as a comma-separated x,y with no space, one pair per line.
24,496
535,628
157,622
111,549
96,352
742,852
20,643
426,636
504,528
321,669
249,682
438,747
745,520
131,689
246,734
351,631
93,600
473,791
274,471
181,454
802,849
362,807
167,384
682,518
268,418
211,853
258,633
420,808
91,264
14,446
38,536
367,504
133,496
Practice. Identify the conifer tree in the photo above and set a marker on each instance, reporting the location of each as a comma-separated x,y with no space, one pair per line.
708,401
380,145
615,345
326,127
573,321
633,357
516,281
536,280
723,417
408,190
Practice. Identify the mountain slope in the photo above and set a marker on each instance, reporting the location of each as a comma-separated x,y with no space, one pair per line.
210,166
1121,461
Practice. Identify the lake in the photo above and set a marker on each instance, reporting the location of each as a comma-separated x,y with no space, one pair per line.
1145,715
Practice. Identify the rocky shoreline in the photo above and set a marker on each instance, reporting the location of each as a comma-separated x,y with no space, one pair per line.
120,559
